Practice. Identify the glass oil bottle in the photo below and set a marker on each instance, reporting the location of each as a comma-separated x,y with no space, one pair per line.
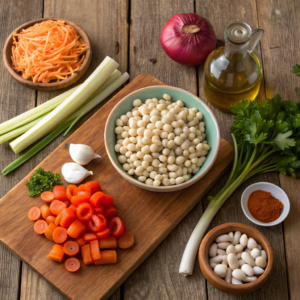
233,72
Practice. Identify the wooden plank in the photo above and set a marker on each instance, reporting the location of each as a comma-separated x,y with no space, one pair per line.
105,22
280,52
158,277
149,216
276,287
14,99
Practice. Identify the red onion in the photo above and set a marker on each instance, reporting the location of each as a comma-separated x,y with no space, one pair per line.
188,39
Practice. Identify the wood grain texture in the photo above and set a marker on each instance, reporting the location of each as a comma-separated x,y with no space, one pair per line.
149,216
276,287
14,99
158,276
105,23
280,46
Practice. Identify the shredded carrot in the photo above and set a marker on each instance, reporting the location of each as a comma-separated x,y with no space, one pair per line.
47,51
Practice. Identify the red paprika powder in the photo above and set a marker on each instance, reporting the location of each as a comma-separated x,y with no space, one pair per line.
264,207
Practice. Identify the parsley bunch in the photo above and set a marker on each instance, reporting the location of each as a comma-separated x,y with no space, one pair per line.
42,181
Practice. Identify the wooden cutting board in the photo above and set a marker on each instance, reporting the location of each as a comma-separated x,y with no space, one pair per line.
149,216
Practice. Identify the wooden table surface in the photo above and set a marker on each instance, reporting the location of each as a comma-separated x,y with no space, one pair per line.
129,31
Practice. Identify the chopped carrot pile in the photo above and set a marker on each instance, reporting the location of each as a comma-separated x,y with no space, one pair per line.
47,51
79,227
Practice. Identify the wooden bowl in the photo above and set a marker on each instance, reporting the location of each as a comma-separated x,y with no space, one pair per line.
220,283
47,86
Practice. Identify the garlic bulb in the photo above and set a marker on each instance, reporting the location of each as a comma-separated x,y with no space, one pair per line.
82,154
74,173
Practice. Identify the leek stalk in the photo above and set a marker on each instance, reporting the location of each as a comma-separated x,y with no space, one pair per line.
67,107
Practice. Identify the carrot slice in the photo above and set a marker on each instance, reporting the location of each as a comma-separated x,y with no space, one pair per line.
73,207
71,248
45,211
103,234
50,219
85,188
84,211
57,253
67,217
97,198
34,213
71,191
67,202
99,209
95,186
72,264
49,231
58,219
40,226
76,200
48,196
89,236
108,201
60,235
56,207
95,250
107,257
80,241
110,212
86,254
110,242
126,240
59,192
76,229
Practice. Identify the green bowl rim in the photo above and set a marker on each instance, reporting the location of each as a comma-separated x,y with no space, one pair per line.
171,187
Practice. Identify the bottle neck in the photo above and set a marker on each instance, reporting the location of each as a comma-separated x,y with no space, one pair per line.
235,52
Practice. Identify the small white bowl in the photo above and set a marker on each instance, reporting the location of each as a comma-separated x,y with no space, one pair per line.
276,192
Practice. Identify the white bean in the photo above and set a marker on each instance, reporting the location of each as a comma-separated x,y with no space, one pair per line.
251,243
223,245
217,259
258,270
238,274
235,281
241,262
225,262
263,254
244,240
223,238
239,255
228,275
236,236
248,259
230,249
221,252
260,262
249,278
213,265
213,250
247,269
220,270
232,261
238,248
255,253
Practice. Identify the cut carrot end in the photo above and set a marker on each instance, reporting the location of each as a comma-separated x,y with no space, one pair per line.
40,226
107,257
71,248
72,264
34,213
126,240
57,253
60,235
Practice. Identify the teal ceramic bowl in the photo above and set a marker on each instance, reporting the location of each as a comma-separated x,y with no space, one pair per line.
190,101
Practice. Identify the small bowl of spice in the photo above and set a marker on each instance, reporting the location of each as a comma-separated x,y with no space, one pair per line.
265,204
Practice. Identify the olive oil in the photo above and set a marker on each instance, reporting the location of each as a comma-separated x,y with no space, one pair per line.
232,73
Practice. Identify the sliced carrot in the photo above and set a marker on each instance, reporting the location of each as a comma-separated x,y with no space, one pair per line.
60,193
40,226
57,253
126,240
99,209
103,234
80,241
34,213
97,198
107,257
89,236
110,242
86,254
50,219
95,186
60,235
67,217
110,212
45,211
108,201
84,211
72,264
58,219
71,191
76,200
85,188
49,231
76,229
71,248
73,207
47,197
67,202
95,250
56,207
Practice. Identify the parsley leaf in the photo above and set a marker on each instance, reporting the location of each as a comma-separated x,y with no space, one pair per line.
296,69
282,140
42,181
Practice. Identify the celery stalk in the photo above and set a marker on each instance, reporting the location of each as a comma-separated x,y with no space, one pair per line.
34,113
18,131
66,108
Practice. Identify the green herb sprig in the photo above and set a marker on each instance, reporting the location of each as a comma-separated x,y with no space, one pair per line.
42,181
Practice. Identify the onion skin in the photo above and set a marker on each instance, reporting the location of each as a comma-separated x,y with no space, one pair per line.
188,39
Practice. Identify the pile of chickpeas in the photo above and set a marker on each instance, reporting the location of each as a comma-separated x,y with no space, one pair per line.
161,142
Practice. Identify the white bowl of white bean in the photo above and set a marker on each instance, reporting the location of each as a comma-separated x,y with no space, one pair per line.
236,258
162,138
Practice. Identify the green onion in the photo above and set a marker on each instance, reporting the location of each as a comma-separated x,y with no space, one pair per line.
67,107
36,148
73,123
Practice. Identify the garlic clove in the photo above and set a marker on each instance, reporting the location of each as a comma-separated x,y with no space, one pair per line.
82,154
74,173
